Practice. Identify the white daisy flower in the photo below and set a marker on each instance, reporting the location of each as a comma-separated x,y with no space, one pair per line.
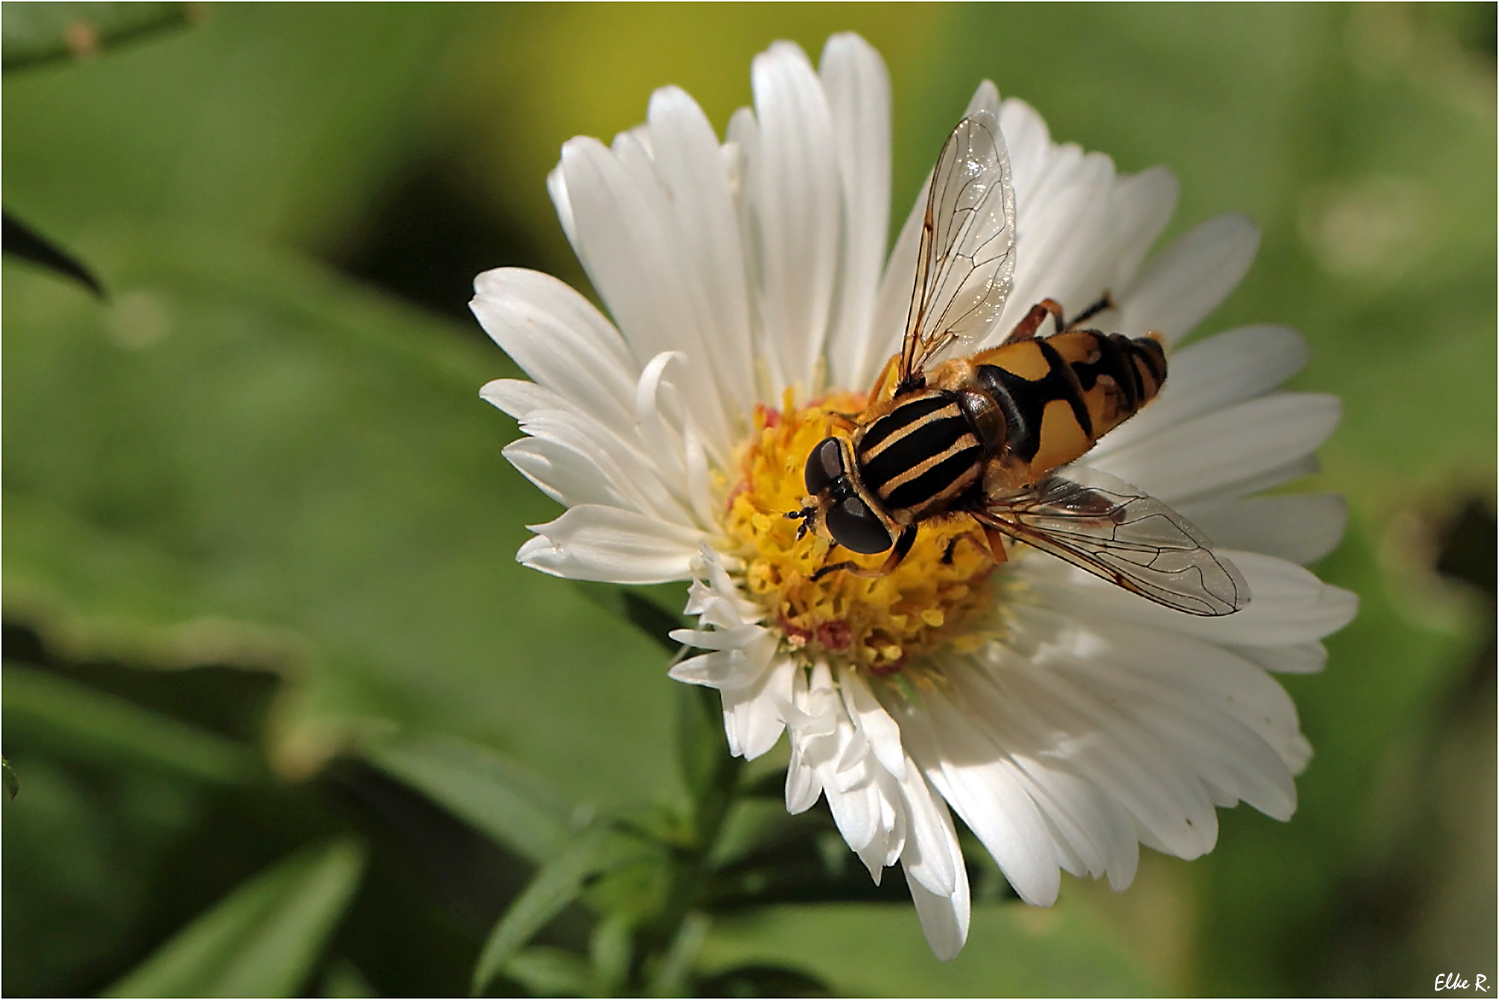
1065,720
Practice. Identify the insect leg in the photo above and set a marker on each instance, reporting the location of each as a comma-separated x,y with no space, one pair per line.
1104,303
902,547
1027,327
986,539
846,422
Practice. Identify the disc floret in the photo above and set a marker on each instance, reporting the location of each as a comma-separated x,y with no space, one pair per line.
940,594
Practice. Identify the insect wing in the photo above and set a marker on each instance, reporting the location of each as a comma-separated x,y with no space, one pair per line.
967,254
1129,538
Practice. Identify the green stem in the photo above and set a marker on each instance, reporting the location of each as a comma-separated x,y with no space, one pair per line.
713,777
692,864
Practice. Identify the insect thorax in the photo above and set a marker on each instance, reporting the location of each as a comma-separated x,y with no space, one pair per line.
920,456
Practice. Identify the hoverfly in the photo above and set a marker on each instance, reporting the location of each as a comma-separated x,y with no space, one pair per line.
990,435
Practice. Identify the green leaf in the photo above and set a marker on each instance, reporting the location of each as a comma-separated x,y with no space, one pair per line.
610,952
702,749
271,122
344,980
336,510
24,243
762,980
41,32
558,883
81,722
879,951
263,939
675,967
483,788
551,972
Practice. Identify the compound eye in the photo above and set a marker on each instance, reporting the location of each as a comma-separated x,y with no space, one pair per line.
824,466
854,526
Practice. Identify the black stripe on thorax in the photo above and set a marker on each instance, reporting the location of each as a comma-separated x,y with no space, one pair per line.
902,441
905,414
943,480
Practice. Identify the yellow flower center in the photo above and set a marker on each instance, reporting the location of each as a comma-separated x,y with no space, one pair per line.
932,598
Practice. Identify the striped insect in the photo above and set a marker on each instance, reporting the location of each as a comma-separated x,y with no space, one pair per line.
989,436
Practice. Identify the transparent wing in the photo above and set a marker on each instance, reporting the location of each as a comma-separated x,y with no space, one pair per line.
1115,531
967,253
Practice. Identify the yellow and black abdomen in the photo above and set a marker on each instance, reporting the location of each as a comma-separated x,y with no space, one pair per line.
919,457
1060,394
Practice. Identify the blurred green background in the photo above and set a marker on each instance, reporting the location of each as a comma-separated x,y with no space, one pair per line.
262,615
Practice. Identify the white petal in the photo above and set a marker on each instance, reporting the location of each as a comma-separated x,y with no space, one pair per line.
557,189
618,461
934,870
1186,281
858,95
1059,226
1157,788
882,732
1205,729
1301,528
803,785
1196,459
611,546
931,854
740,660
1301,658
558,337
985,99
752,722
1084,818
726,669
965,767
562,474
1028,141
518,397
1288,605
630,248
888,324
720,638
944,919
1141,205
690,163
1220,679
856,813
793,184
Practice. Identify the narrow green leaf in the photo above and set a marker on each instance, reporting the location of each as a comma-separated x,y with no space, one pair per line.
344,980
610,951
41,32
21,241
557,884
671,975
12,783
75,720
513,806
551,972
264,938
